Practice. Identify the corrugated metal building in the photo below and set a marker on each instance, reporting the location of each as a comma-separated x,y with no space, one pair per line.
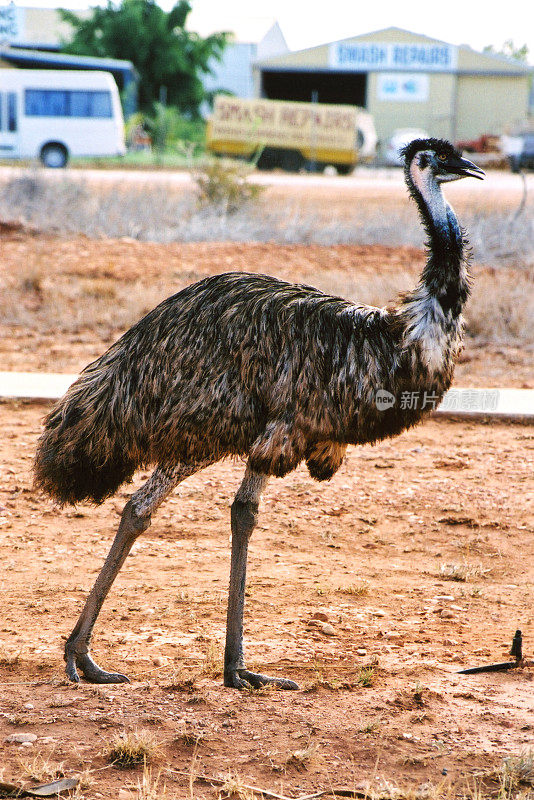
251,40
406,80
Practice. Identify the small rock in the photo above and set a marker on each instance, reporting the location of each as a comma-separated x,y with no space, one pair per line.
361,651
323,627
327,629
29,706
321,616
378,613
446,613
21,738
158,661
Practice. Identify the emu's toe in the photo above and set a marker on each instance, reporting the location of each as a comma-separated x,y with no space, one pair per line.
244,679
94,674
70,669
89,669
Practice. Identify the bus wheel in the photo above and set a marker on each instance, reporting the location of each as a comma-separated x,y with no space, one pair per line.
54,156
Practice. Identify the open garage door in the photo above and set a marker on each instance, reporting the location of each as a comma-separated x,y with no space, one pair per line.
325,87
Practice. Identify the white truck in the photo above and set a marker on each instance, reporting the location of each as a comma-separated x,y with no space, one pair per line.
55,114
291,135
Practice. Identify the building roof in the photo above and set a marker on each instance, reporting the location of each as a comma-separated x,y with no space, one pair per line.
468,60
38,58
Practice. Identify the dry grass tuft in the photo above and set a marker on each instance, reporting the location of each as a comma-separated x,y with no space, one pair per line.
304,757
366,677
40,768
370,728
234,788
518,770
462,572
149,787
132,748
224,184
212,666
356,589
188,735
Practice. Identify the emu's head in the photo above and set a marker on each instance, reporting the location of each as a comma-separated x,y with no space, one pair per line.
437,160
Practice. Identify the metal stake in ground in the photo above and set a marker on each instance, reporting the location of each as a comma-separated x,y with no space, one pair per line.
516,651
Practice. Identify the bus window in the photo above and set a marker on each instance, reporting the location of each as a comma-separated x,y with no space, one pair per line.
45,103
80,104
90,104
11,111
101,104
64,103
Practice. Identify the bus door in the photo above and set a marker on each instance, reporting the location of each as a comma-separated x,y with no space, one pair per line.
9,124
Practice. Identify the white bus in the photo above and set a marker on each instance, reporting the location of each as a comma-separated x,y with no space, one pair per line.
55,114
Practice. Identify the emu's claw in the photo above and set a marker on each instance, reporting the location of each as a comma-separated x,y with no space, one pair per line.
244,679
90,670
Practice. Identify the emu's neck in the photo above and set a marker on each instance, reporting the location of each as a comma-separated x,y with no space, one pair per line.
445,274
431,314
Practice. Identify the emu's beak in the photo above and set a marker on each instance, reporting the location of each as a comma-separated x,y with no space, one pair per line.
471,170
465,168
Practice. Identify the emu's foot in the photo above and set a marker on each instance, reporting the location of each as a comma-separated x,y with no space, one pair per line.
91,671
243,679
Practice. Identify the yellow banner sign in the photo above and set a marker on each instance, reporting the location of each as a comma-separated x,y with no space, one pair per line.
284,124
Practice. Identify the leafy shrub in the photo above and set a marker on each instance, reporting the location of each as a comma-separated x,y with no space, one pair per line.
224,183
169,129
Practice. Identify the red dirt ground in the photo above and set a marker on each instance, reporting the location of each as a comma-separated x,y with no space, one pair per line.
419,554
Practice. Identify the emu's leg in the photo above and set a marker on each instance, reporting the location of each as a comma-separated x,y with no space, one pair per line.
136,518
244,515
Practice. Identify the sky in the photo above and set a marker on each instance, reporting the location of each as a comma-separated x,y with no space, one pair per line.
306,23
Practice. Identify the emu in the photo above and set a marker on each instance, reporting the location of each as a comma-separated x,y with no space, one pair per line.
247,365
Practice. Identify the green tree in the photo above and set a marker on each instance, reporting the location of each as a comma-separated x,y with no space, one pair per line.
170,60
509,50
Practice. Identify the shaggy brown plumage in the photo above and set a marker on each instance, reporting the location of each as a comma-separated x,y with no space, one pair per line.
248,365
237,364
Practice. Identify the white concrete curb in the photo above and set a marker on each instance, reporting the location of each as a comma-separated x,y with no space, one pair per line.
35,385
457,402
